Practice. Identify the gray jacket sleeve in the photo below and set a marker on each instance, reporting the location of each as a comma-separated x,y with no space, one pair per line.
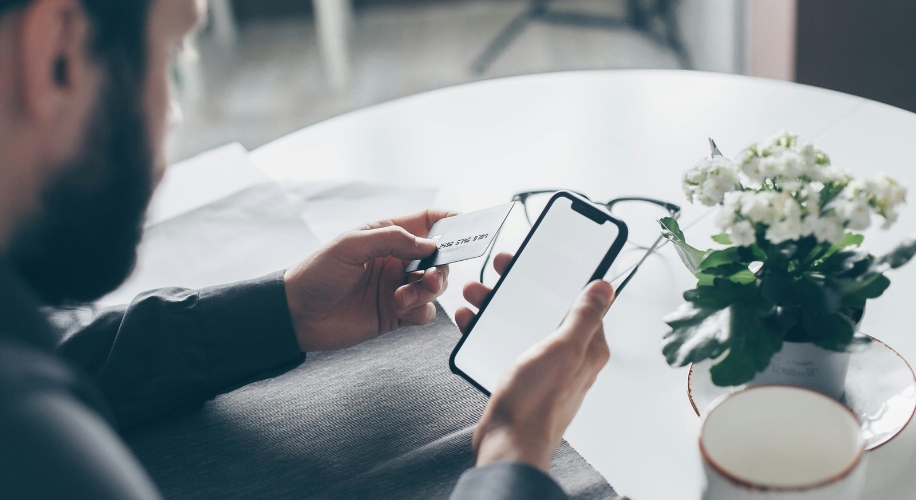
174,348
507,481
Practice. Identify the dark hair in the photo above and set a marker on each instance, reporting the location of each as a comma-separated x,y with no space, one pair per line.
119,30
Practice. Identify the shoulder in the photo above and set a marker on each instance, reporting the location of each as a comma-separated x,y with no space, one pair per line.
26,371
56,442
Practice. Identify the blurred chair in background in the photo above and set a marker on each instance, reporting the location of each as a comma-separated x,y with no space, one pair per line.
655,19
333,23
225,28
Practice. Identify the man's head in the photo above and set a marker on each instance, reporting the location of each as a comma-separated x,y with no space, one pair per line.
84,112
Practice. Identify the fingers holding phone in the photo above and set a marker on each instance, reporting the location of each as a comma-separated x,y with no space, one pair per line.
475,292
538,397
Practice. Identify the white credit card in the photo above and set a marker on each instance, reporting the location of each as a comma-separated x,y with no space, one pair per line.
463,237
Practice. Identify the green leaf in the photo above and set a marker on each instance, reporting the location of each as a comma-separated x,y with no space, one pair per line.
822,319
743,277
704,279
751,253
782,319
873,284
875,287
720,258
690,256
751,344
720,294
829,192
856,292
688,314
833,332
722,239
850,240
670,225
776,285
725,270
697,333
814,297
896,257
850,263
748,354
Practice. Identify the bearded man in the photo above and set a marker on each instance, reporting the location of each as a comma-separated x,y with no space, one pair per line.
84,112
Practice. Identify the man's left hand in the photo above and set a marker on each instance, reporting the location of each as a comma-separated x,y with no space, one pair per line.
355,289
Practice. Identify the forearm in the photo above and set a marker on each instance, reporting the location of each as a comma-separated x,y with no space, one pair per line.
507,481
172,347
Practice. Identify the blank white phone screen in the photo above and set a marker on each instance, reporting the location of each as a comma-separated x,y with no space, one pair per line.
555,265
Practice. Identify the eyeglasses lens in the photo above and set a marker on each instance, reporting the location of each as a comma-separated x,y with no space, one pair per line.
641,218
535,204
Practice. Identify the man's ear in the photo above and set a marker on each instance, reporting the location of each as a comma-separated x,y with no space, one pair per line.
57,73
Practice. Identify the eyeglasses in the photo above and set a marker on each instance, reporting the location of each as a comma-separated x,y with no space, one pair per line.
640,214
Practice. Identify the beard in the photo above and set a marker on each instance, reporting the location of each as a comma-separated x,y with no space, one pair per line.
82,242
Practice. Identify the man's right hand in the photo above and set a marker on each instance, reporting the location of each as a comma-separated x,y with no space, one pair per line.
540,394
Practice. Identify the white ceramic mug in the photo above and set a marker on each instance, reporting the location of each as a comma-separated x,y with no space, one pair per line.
781,442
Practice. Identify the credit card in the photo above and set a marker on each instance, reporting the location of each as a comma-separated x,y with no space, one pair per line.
463,237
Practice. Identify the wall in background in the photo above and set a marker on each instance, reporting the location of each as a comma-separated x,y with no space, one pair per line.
751,37
863,48
771,39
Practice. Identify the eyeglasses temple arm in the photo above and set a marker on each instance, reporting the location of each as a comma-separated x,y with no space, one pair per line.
636,267
486,259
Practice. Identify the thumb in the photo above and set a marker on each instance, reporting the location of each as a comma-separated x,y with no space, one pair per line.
362,246
587,313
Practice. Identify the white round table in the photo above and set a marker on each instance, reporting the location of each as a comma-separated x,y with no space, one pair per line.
614,133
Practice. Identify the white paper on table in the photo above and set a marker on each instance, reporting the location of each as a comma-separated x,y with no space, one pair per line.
248,234
203,179
218,219
215,218
332,208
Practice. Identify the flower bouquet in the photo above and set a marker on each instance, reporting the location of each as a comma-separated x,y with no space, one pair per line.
789,269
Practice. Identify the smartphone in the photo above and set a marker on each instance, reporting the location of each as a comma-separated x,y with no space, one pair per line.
572,243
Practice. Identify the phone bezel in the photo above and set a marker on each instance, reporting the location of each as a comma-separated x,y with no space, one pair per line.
586,209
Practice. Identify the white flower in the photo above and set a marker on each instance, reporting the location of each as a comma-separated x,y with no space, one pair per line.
688,188
886,190
788,223
784,230
744,156
885,195
710,179
790,208
732,200
812,199
770,167
776,142
831,174
712,191
757,207
780,183
695,175
828,229
808,225
854,210
807,151
743,234
793,165
751,168
889,220
725,217
790,185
